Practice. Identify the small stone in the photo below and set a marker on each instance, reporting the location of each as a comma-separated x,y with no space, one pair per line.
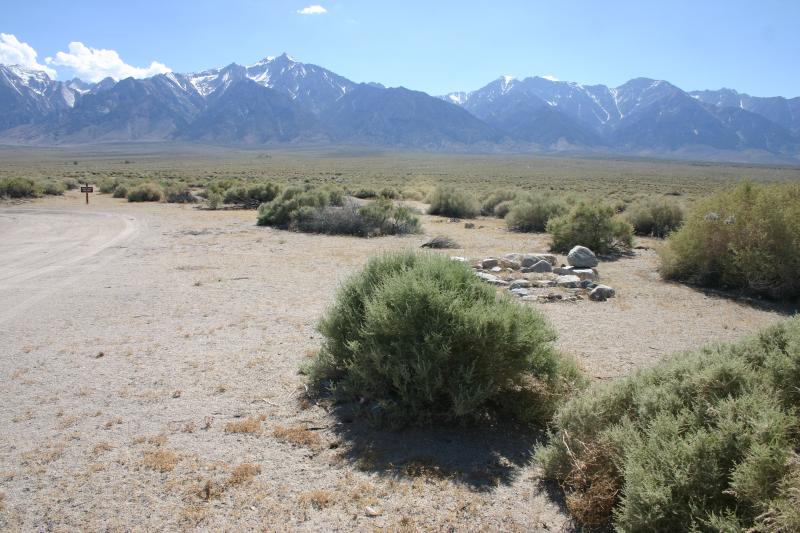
587,284
569,281
519,292
469,225
538,267
563,270
507,263
490,262
581,257
491,278
544,283
520,284
496,269
372,512
459,259
586,273
601,293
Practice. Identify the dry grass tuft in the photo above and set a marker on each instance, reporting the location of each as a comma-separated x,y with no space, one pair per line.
318,499
102,447
157,440
244,473
160,460
299,435
2,499
248,425
596,483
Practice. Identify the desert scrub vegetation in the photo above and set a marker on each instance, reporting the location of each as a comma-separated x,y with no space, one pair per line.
325,210
706,441
592,225
253,195
653,218
417,339
531,213
745,238
453,203
16,188
178,193
492,200
145,192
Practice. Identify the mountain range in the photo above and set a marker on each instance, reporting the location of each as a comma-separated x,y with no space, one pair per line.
280,100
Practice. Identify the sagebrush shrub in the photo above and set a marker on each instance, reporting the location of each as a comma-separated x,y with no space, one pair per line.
179,194
705,441
744,238
418,338
531,213
449,202
52,187
592,225
253,195
655,218
120,191
145,192
18,188
493,200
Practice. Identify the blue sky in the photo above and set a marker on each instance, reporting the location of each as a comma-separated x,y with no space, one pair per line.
434,46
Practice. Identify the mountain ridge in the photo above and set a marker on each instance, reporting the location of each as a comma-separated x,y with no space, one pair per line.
281,100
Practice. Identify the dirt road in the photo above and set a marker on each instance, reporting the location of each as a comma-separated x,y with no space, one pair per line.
149,377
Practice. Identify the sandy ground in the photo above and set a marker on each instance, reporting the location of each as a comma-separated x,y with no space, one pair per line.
148,377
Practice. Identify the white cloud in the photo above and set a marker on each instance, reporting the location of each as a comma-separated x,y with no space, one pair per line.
93,64
312,10
550,77
14,52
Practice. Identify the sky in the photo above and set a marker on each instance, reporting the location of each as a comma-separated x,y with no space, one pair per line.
432,46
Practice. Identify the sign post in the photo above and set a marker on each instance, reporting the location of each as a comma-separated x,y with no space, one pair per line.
87,189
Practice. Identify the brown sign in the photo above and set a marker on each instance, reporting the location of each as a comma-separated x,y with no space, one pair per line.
87,189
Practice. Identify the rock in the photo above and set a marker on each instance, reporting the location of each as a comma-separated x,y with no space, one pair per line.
513,257
459,259
568,281
496,269
581,257
601,293
535,258
538,267
508,263
563,270
520,284
585,273
519,292
372,512
469,225
491,262
587,284
491,278
544,283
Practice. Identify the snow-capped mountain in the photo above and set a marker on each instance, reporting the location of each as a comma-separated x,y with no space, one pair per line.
280,99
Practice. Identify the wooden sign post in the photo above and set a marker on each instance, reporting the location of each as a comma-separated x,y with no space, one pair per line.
87,189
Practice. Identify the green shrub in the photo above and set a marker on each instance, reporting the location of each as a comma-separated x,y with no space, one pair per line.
419,339
382,217
52,187
214,199
146,192
178,194
493,200
365,194
655,218
449,202
590,225
388,192
703,442
252,196
120,191
531,214
283,210
71,184
502,209
745,238
18,188
107,185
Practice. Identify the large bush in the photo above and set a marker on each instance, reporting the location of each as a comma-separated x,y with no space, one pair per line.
252,196
449,202
655,218
418,338
282,212
704,442
145,192
532,213
744,238
178,194
18,188
592,225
